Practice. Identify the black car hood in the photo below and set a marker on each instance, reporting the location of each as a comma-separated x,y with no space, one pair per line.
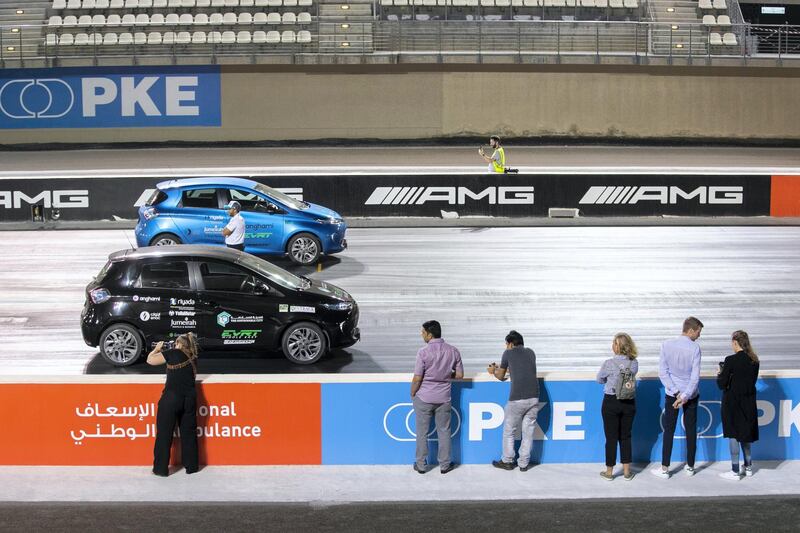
323,288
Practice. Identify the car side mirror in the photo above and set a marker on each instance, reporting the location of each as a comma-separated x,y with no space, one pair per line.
274,209
262,289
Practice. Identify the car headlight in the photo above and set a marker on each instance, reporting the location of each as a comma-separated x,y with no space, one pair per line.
330,220
340,306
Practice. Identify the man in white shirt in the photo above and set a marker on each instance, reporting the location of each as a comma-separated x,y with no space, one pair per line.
234,231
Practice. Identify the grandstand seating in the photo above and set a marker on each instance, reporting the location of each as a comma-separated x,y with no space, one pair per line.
178,22
509,9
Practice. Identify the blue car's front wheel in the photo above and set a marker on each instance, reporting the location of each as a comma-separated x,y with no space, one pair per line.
165,239
304,249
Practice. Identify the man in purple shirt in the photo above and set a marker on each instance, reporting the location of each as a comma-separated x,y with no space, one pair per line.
679,370
437,364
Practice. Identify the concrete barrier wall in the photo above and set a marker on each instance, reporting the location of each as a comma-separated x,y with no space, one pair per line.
277,103
356,419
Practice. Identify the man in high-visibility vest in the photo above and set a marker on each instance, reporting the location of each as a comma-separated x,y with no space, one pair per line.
497,162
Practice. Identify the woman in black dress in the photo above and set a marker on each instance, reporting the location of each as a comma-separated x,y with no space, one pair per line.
737,379
178,404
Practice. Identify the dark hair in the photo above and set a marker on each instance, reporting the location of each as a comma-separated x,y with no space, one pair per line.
744,341
515,338
495,138
434,328
692,323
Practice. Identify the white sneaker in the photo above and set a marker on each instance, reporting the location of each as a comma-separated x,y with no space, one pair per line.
748,471
660,472
730,475
688,470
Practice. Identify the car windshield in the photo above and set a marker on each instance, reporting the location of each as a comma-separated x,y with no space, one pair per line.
273,273
281,197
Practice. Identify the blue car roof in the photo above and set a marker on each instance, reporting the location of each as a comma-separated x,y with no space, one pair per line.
213,181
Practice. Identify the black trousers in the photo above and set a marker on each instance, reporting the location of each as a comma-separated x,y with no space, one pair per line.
617,424
239,247
181,409
689,424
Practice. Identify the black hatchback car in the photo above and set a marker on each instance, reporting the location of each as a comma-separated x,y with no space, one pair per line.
230,299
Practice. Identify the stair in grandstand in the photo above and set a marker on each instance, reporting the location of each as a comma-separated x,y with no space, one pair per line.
346,26
674,35
20,33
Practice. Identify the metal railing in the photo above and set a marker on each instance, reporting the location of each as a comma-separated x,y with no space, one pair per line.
433,41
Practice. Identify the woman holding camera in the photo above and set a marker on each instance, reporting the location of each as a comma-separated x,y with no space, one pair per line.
737,379
178,403
618,414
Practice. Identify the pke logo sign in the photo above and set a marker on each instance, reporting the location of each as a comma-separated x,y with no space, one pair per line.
104,98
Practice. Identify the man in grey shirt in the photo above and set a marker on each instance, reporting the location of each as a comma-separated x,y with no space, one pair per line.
523,403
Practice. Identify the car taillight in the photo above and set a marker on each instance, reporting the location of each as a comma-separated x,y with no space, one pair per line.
99,296
150,213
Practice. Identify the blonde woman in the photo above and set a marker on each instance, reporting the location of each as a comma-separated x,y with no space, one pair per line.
618,414
178,404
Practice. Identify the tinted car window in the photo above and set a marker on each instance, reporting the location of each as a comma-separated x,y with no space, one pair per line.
250,201
156,197
164,275
200,198
225,277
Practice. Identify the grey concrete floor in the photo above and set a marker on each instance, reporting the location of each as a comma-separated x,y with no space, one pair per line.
567,289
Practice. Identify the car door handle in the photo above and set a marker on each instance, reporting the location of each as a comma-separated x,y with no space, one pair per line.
211,304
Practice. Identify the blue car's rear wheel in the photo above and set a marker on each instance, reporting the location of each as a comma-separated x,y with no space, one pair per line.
165,239
304,249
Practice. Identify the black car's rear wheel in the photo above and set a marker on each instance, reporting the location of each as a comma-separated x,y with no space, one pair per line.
304,343
121,345
304,249
165,239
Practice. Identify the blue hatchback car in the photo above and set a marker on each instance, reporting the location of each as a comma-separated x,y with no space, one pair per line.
191,211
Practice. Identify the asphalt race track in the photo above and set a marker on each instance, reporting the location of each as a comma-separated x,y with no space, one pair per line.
566,289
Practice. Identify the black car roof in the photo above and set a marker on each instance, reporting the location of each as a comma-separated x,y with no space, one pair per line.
182,250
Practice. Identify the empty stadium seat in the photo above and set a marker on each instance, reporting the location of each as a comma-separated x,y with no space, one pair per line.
229,18
96,38
186,19
183,37
274,18
159,4
87,4
118,4
125,38
51,39
215,37
131,4
304,3
720,4
246,3
199,37
85,20
228,37
59,4
260,18
289,18
630,4
729,39
231,3
140,37
66,40
304,36
203,3
168,37
113,20
128,20
602,4
723,20
714,38
188,3
293,3
616,4
273,37
81,39
260,37
217,3
172,19
102,4
74,4
142,19
502,3
705,4
304,18
288,36
709,20
173,3
215,19
157,19
154,37
98,20
244,37
245,18
55,20
110,39
201,19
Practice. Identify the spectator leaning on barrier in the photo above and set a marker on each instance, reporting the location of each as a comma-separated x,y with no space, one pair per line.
178,404
679,371
497,161
737,380
437,364
234,231
619,403
523,402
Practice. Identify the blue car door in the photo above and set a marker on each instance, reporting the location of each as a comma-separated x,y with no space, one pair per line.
263,221
200,217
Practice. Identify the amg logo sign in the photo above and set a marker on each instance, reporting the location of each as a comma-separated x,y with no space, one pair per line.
57,199
665,195
449,195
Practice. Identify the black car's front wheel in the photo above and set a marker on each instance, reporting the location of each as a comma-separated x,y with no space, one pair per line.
121,345
304,343
304,249
165,239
